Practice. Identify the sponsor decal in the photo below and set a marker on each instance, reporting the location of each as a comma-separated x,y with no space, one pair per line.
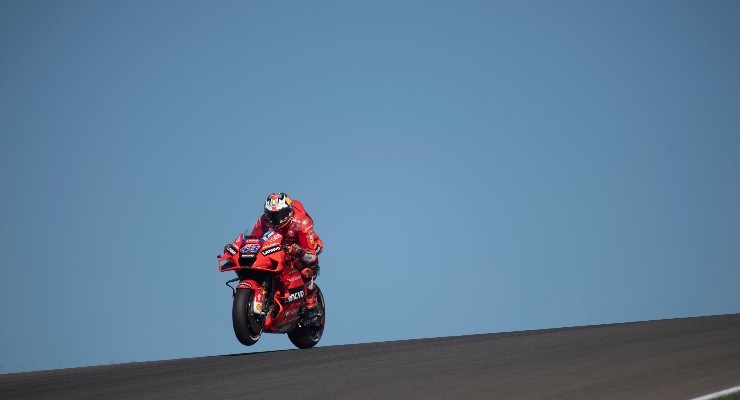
267,235
295,296
258,308
257,303
291,233
271,250
245,285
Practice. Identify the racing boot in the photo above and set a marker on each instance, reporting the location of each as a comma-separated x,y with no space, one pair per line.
310,313
311,300
308,276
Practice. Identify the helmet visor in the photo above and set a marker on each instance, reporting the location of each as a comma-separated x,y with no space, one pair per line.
277,217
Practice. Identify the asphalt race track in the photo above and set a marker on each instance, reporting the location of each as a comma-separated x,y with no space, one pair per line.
668,359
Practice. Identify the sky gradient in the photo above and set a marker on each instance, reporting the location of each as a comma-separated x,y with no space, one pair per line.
472,167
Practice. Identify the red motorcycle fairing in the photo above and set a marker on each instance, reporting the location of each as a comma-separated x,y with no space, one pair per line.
286,302
268,258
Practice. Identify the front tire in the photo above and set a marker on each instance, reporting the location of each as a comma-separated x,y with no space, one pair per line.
247,325
305,337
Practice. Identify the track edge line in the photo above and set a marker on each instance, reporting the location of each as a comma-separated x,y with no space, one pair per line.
720,393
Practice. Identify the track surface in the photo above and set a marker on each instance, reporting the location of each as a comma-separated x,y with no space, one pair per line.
669,359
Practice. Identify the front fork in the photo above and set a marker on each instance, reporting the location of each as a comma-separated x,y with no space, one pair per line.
260,293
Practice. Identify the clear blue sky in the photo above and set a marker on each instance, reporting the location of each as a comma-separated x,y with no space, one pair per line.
479,166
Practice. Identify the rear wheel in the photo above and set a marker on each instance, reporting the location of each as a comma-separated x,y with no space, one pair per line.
247,324
307,336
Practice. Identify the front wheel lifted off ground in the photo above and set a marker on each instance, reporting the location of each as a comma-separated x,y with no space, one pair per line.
247,325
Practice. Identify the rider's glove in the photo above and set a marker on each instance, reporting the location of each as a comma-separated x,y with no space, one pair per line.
295,250
309,272
231,249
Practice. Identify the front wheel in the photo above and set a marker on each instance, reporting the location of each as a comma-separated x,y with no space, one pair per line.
247,325
307,336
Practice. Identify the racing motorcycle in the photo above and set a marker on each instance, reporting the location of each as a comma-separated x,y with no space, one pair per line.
270,295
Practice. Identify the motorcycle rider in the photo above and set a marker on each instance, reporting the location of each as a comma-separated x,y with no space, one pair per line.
287,217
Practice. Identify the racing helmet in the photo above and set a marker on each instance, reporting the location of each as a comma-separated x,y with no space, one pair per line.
278,210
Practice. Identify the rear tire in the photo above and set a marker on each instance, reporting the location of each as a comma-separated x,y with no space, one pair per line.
305,337
247,325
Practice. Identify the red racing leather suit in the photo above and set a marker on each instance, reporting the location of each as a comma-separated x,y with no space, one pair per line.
298,231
